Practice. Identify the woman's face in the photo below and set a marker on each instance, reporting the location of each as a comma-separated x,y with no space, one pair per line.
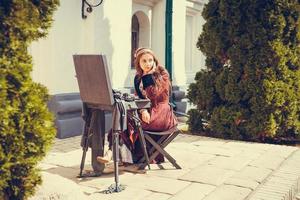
146,62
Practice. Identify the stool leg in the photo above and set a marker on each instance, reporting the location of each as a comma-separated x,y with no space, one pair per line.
142,141
162,151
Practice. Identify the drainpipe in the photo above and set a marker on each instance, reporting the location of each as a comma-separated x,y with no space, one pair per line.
168,48
168,35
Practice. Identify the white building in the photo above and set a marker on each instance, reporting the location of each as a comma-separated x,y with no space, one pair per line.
114,28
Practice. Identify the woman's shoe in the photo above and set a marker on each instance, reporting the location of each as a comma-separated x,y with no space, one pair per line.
106,158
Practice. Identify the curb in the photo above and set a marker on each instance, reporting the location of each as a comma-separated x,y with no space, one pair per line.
283,183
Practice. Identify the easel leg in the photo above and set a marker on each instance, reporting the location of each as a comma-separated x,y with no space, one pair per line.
98,141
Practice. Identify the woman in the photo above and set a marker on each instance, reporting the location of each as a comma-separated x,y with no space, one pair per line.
152,82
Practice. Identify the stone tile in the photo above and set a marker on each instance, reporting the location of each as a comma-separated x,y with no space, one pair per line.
158,196
69,159
182,146
57,187
208,175
267,161
233,163
261,146
104,181
44,166
239,144
129,193
185,138
213,169
251,184
280,151
228,192
218,151
209,143
195,191
266,196
88,190
257,174
189,159
66,172
167,170
251,154
156,184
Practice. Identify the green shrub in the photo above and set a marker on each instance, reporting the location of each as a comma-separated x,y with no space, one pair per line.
26,125
251,88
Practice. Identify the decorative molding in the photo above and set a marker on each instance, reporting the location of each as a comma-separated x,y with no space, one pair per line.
193,7
149,3
192,11
200,2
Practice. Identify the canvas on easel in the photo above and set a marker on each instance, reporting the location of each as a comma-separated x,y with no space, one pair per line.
93,80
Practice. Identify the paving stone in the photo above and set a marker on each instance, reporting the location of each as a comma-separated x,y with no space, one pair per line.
219,151
209,143
213,169
167,170
283,175
44,166
183,147
228,192
66,172
208,175
156,184
257,174
186,138
266,196
129,193
232,163
61,189
158,196
104,181
69,159
239,144
251,154
267,162
260,146
280,151
88,190
251,184
189,159
195,191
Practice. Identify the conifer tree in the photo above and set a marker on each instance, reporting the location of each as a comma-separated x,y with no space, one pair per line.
251,88
26,125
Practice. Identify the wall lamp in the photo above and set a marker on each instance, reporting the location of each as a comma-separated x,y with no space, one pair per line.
88,7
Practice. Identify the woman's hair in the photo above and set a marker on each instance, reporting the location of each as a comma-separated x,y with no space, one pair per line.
137,56
159,68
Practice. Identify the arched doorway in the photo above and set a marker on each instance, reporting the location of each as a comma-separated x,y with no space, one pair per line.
135,30
140,33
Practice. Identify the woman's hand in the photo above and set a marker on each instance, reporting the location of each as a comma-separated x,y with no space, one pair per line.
146,116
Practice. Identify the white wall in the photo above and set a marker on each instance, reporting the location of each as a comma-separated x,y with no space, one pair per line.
158,30
107,30
194,60
179,42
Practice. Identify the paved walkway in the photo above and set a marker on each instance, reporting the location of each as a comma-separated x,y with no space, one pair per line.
213,169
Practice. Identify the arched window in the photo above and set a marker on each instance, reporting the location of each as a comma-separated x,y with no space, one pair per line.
135,29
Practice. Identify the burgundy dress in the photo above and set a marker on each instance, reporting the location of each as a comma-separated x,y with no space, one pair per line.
155,87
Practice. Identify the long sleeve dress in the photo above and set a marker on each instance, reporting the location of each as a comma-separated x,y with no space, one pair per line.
156,88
